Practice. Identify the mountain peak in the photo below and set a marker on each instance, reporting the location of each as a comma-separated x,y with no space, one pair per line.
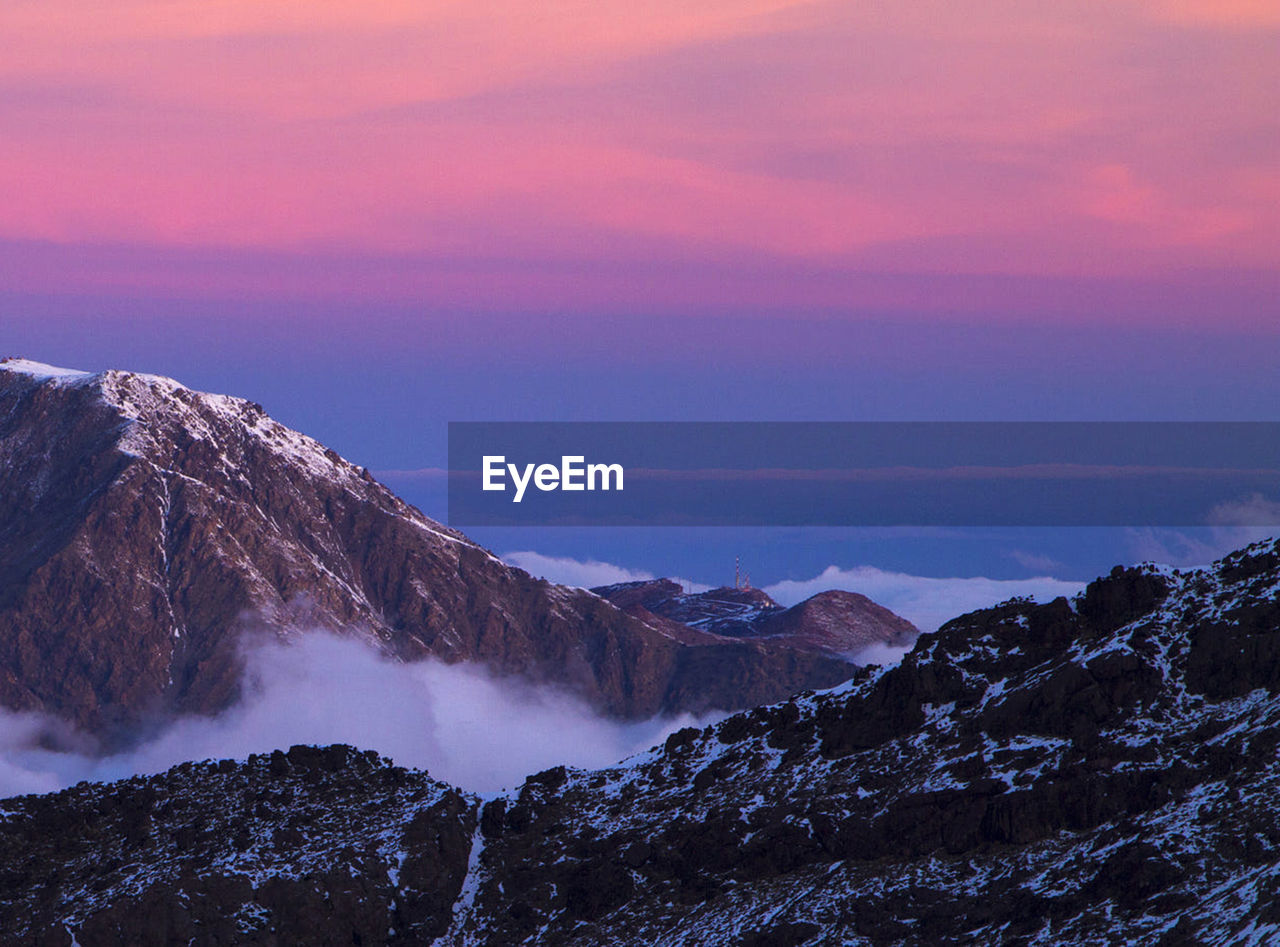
112,379
145,526
158,412
834,621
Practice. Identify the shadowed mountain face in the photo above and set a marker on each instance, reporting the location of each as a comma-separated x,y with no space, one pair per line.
836,621
1095,771
145,527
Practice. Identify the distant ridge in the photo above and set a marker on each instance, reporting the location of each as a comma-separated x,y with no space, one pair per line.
835,621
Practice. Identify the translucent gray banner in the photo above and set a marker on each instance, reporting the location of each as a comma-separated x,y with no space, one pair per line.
864,473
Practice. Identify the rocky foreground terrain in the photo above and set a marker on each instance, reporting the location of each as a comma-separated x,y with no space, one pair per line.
1095,771
146,527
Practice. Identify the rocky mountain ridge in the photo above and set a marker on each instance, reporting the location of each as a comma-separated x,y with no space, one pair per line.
146,527
836,621
1077,772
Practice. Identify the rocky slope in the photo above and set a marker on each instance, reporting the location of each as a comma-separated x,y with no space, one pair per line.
836,621
144,527
1102,770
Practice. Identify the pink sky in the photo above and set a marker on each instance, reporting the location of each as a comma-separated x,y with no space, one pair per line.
565,153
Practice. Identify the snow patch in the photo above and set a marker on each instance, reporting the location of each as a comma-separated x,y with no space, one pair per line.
41,371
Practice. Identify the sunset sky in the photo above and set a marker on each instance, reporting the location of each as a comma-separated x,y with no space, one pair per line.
379,216
561,154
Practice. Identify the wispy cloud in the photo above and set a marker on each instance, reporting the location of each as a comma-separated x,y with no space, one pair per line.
1036,562
1254,511
458,722
881,654
1191,548
584,574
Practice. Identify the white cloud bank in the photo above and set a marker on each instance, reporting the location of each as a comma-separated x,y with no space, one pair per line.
925,601
885,655
458,722
584,574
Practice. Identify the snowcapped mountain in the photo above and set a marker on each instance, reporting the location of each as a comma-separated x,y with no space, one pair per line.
1101,770
145,527
836,621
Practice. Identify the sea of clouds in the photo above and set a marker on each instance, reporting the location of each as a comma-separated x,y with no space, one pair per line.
460,723
924,601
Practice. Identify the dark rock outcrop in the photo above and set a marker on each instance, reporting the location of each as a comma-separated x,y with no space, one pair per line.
315,846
